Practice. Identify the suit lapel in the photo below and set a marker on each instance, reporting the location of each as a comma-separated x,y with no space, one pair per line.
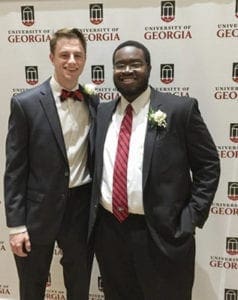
150,137
104,119
92,113
48,103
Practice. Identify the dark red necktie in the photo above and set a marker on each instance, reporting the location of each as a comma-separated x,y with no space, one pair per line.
119,189
76,95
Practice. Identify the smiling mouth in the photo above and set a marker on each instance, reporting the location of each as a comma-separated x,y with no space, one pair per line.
129,79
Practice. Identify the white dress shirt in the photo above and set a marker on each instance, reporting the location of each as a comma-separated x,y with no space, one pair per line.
75,124
136,152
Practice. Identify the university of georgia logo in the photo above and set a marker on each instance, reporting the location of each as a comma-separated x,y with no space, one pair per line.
232,245
167,11
96,13
233,191
97,74
100,284
231,294
31,73
235,72
234,132
27,15
167,73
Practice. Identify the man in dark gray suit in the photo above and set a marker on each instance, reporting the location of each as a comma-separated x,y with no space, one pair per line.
48,173
143,227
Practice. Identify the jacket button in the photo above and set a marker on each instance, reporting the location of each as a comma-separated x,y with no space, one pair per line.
66,174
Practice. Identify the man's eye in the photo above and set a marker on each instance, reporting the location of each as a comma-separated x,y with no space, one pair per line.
79,56
120,66
136,65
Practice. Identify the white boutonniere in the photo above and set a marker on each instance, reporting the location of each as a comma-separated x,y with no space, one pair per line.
157,118
89,89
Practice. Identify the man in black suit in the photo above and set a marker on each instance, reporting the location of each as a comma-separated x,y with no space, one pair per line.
144,237
48,173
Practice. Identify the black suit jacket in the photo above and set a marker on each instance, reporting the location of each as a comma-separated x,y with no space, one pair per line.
180,171
37,170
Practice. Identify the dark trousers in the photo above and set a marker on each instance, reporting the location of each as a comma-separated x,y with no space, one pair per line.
133,267
76,259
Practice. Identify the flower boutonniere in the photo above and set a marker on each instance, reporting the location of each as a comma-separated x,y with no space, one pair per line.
157,118
89,89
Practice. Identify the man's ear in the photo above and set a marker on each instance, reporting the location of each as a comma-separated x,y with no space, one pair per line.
149,68
51,57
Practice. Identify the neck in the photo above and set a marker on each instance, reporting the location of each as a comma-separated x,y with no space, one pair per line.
66,85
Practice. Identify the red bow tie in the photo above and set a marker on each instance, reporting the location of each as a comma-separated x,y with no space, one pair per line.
76,95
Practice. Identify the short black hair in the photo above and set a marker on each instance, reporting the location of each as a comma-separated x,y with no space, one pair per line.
134,44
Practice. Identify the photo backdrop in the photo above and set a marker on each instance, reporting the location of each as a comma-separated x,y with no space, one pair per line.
194,49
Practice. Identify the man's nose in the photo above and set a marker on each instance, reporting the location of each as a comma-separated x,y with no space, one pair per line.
128,68
71,59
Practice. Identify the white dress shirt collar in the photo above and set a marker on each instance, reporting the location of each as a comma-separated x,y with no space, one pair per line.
57,88
137,104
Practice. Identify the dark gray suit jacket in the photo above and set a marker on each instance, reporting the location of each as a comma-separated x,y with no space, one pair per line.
37,170
180,171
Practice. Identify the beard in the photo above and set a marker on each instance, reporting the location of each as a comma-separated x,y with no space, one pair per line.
130,92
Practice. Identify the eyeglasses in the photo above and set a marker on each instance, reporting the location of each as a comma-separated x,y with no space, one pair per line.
137,65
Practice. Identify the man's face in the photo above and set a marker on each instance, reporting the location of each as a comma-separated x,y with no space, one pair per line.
68,59
130,72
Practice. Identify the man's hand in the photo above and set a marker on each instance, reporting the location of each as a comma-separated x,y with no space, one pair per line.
20,243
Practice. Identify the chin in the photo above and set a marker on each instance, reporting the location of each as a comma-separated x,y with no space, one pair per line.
128,91
71,78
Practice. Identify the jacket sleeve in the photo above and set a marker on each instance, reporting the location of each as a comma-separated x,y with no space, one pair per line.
16,173
205,166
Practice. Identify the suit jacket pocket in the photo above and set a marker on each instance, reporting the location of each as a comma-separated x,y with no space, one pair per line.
169,155
35,196
186,226
164,219
163,135
36,210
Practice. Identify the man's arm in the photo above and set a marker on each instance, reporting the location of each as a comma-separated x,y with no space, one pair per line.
205,166
15,179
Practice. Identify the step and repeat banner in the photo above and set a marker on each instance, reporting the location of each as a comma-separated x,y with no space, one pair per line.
194,51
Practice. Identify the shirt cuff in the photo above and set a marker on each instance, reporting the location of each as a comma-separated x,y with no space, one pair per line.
16,230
